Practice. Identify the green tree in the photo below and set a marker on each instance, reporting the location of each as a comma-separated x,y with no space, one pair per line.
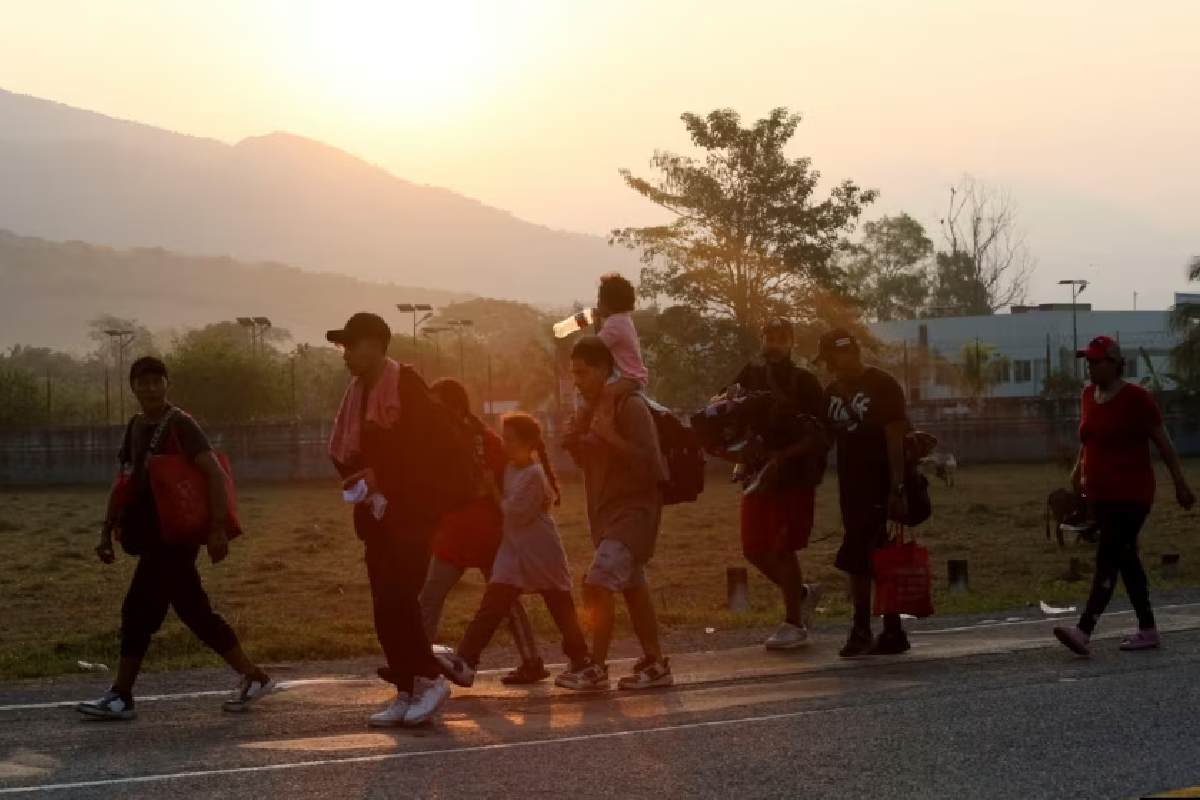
955,290
216,375
21,397
982,368
888,270
750,238
507,350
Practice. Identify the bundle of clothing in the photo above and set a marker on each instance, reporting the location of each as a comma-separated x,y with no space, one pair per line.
746,427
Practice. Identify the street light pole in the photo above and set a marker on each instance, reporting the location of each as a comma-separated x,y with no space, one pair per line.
414,309
460,325
431,332
1077,286
121,338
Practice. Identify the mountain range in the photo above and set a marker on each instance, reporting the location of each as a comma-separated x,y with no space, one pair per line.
75,175
51,291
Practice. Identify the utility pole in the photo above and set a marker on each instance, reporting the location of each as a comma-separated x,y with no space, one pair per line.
491,399
460,325
431,333
1077,286
120,338
414,309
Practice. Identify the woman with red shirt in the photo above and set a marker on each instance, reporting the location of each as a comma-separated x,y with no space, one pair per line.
469,538
1118,420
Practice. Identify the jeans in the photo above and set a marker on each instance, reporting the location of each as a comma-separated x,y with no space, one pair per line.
444,576
397,560
166,577
497,603
1117,554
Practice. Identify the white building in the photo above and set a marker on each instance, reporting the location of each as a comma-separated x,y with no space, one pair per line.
1028,342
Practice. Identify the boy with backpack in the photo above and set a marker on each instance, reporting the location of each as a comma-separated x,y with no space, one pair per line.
624,471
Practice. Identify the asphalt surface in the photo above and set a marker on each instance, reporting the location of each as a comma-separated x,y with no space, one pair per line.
974,711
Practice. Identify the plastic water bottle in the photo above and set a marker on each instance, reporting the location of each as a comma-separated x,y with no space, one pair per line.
574,323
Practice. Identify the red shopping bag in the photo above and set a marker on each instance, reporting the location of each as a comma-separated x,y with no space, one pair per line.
180,493
903,580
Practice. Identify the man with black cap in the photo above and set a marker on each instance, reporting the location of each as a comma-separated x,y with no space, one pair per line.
866,412
380,444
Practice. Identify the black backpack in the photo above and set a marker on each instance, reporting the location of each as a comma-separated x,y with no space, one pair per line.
683,453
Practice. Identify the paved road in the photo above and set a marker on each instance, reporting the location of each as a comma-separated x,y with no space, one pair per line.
990,711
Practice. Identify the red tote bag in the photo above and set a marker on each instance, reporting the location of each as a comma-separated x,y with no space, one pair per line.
180,492
903,580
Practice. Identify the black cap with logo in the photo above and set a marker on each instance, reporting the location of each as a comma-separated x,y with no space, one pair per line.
361,326
835,341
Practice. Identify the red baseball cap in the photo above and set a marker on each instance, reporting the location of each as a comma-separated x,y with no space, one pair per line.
1100,348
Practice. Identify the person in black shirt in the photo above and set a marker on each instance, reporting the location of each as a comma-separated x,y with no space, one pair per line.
777,516
866,413
166,574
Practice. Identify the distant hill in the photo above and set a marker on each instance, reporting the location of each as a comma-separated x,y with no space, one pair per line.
70,174
49,291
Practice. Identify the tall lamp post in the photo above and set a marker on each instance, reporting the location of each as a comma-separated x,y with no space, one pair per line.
431,332
461,325
415,309
120,338
1077,286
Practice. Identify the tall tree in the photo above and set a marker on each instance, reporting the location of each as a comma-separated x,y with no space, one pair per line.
1185,356
750,237
955,290
888,268
981,224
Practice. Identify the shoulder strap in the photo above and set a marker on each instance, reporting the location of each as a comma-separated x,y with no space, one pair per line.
163,425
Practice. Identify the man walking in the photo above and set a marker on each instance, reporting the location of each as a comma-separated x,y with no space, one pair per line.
777,518
866,411
380,447
623,468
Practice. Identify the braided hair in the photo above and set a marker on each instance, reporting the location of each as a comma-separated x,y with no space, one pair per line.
529,430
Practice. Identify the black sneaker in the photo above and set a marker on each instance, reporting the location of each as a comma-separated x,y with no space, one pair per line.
890,643
529,672
859,643
456,668
649,673
113,705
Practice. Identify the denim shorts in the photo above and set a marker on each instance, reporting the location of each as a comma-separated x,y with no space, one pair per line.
614,568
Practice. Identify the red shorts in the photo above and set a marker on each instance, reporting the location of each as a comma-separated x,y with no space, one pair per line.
469,538
777,522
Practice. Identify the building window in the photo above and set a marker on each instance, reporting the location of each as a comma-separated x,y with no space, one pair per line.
1131,366
1002,371
1022,371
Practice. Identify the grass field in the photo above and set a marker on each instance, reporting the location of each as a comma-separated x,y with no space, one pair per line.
295,586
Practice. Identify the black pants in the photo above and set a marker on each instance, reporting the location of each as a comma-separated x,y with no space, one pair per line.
397,561
1117,554
495,608
166,577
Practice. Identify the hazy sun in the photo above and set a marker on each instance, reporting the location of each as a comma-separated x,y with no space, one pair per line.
398,53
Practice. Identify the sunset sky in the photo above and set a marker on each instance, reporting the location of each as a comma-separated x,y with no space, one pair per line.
1089,112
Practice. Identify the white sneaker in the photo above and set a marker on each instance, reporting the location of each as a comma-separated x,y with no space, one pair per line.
248,691
393,715
786,637
429,695
808,607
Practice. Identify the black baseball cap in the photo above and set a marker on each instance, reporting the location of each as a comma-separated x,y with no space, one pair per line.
362,325
838,340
